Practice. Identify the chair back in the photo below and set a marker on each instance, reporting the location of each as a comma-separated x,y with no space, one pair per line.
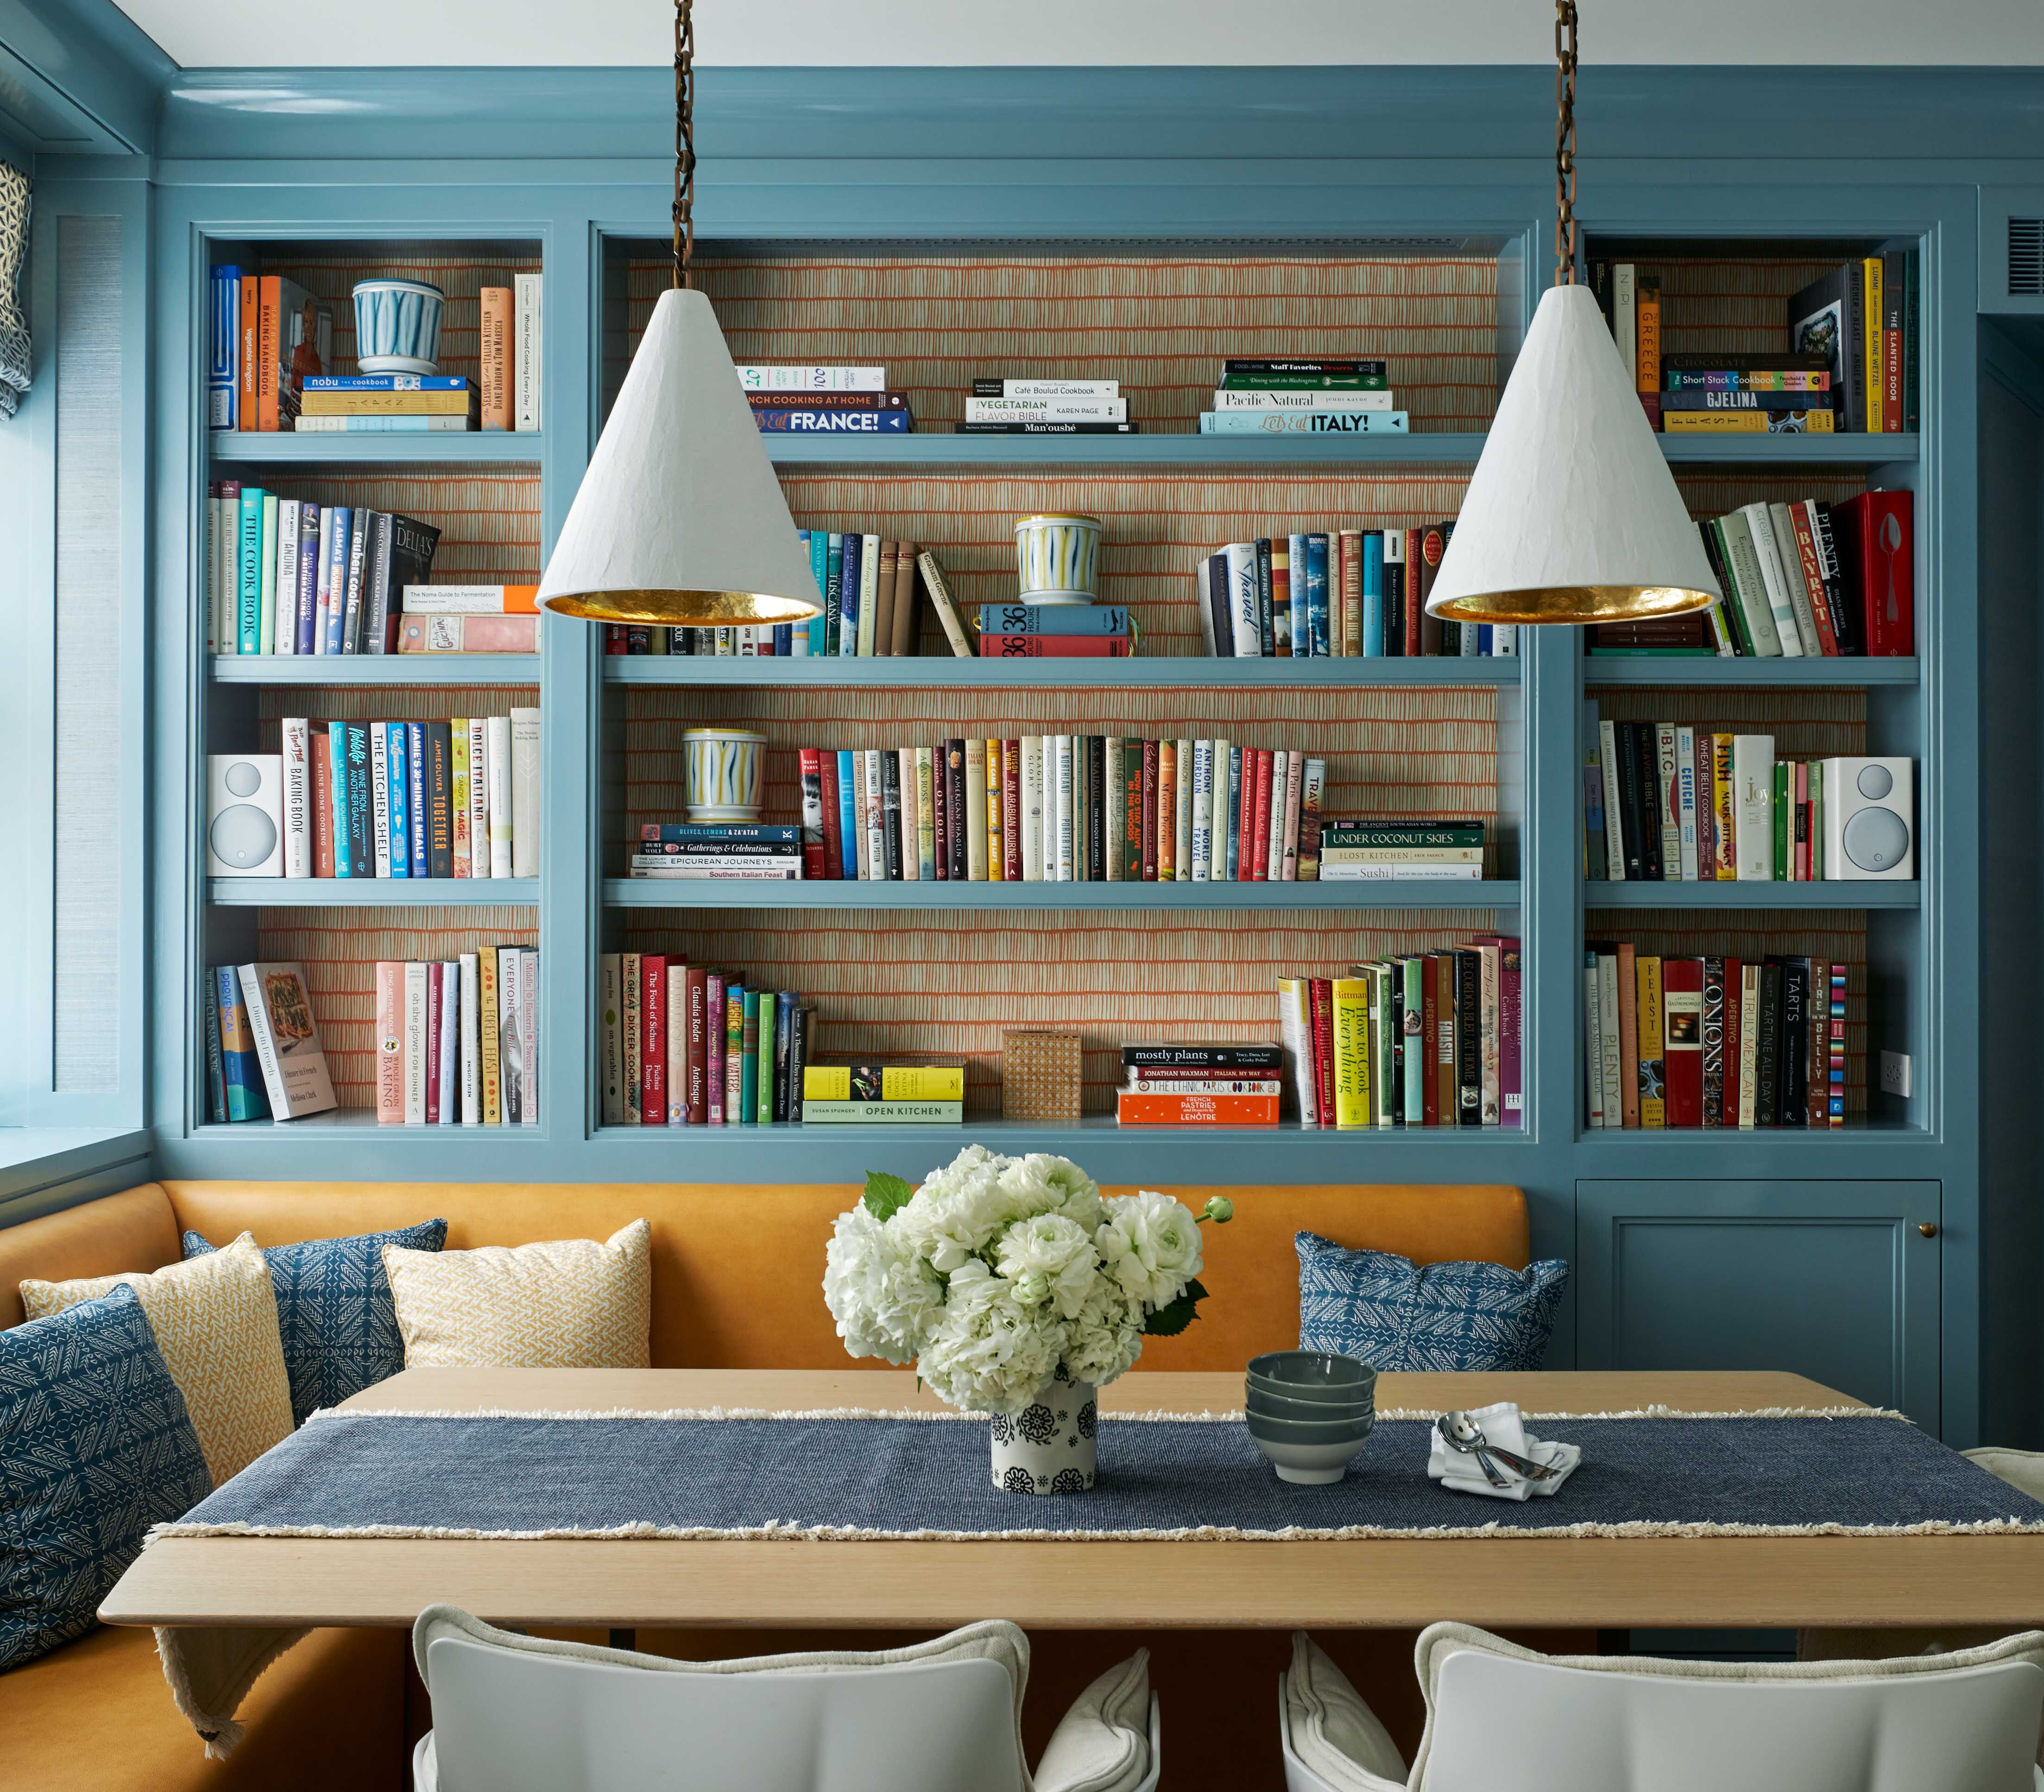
508,1721
1541,1726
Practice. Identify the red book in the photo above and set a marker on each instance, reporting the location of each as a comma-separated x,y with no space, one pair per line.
1430,1020
1150,772
941,798
696,988
435,973
1133,1110
1054,646
1811,564
321,751
811,763
1876,544
1281,604
653,1040
1510,1084
1262,814
1011,810
833,839
1413,614
615,638
1245,820
1321,992
1682,1043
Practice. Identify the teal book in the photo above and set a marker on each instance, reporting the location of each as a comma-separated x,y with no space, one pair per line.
337,744
1414,1053
760,1062
818,545
748,1086
248,1098
1372,594
397,762
248,606
1303,423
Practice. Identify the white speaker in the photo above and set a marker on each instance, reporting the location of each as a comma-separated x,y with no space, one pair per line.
1869,819
244,815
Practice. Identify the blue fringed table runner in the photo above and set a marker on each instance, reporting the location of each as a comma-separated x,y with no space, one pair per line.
865,1476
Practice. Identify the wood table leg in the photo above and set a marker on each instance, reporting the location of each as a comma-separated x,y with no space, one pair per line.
624,1636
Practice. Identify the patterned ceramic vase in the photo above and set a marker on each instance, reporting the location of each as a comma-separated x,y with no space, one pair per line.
1049,1446
725,770
1057,554
397,326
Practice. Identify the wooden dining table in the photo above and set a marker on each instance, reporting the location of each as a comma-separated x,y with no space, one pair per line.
1605,1582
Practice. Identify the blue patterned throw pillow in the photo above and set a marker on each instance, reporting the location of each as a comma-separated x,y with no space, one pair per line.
95,1447
1392,1314
334,1309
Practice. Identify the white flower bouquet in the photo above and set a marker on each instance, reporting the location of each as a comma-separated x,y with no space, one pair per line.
1001,1275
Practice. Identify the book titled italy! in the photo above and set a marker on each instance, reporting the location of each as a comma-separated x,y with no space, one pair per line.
1303,423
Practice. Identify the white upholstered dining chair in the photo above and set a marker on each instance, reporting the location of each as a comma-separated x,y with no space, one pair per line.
514,1713
1498,1715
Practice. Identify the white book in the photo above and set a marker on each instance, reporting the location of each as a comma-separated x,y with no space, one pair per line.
1321,401
415,1044
498,779
525,763
322,575
1273,846
1181,818
1592,1043
450,1041
461,600
526,338
287,1037
1624,319
1685,797
1749,586
510,1036
285,622
810,377
1505,640
295,734
479,796
1668,795
1295,1034
1202,812
229,623
1752,807
1046,410
875,814
1064,817
912,856
975,810
1774,579
471,1040
1244,607
528,1035
925,854
862,853
1116,756
1791,557
1607,1018
1614,812
1222,816
379,796
1032,809
868,593
610,973
1060,388
1749,1046
1295,791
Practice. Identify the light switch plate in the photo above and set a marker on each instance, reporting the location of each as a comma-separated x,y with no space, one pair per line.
1894,1072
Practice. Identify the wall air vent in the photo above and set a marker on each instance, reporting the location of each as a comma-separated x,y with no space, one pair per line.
2025,258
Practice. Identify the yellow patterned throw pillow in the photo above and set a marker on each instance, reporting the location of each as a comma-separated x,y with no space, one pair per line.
215,1318
570,1304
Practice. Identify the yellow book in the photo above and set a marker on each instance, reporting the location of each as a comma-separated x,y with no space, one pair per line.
1876,423
486,1036
386,404
1652,1071
898,1082
1721,788
1351,1028
995,866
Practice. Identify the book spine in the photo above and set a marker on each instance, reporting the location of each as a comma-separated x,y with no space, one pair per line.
510,1037
498,305
889,767
489,1055
1131,811
652,1040
390,980
216,1079
1593,1044
1014,858
717,997
528,289
436,1018
810,761
1350,1013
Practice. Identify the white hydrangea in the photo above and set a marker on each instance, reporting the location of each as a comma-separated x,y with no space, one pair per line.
1149,1245
958,1212
989,1353
1043,1184
1049,1258
1105,1337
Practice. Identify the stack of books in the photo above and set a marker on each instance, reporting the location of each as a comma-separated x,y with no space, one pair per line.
1303,397
1200,1085
460,1037
923,1093
1861,319
1721,393
263,1056
287,577
686,1045
1711,1041
1054,631
1361,849
268,338
823,401
470,618
1046,407
716,851
455,798
1061,808
386,404
1432,1040
1335,593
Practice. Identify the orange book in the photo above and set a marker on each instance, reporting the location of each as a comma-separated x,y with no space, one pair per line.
389,1042
1133,1110
1167,811
269,330
251,306
496,312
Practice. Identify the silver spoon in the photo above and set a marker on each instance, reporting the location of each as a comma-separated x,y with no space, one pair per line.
1464,1435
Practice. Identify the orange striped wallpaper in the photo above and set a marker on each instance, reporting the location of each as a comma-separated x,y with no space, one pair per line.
461,276
1735,302
488,516
1806,724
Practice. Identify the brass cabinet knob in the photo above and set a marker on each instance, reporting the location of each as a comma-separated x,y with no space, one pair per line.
1927,1230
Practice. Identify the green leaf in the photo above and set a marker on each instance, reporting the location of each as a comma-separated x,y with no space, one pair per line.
885,1195
1168,1322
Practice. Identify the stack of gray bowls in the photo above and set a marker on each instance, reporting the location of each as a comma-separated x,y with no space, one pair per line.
1310,1411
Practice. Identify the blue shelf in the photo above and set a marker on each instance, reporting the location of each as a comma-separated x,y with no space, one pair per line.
374,669
245,448
1830,893
373,892
1599,668
649,892
981,674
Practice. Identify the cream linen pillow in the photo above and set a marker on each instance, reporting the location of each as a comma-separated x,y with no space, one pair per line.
215,1318
570,1304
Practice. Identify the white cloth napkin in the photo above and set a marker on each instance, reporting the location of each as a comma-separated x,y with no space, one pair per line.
1501,1425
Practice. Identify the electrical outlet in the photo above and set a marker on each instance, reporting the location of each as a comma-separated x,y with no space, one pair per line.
1894,1072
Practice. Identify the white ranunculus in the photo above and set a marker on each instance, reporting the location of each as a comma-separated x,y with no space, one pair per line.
882,1299
1053,1253
1043,1184
1105,1339
988,1353
1150,1244
958,1213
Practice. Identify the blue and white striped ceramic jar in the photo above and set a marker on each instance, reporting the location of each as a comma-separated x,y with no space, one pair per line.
397,326
1058,553
725,770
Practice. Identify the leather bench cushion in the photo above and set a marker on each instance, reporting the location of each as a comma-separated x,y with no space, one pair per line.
134,1230
738,1270
96,1716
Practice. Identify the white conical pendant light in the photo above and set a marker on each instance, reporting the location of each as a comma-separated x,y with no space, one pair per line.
1572,515
680,519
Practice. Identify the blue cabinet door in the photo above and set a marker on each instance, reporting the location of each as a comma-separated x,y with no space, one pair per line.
1835,1280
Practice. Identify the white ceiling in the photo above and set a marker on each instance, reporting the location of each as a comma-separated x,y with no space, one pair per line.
947,33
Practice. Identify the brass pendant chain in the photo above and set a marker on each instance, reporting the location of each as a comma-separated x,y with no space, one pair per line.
1565,142
685,140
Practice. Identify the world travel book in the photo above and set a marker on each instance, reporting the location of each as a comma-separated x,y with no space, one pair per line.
458,1040
687,1044
1712,1041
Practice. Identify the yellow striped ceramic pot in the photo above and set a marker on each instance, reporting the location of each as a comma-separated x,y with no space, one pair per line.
725,769
1058,555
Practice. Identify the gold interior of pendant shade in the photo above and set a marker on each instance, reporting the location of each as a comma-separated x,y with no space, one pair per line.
1577,604
683,609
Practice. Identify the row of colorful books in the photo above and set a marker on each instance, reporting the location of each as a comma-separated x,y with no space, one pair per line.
1281,395
1000,406
266,335
459,1040
453,799
1712,1041
263,1055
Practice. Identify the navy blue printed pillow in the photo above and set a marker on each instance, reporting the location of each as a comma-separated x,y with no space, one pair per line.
334,1310
1394,1315
95,1447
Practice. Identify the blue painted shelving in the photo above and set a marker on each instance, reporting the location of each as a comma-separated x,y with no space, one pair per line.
1036,674
372,893
650,893
374,669
1645,669
248,448
1828,893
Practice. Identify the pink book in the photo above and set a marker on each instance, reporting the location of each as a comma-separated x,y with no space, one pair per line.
713,1052
434,993
1295,785
677,1041
1510,1077
389,1042
653,1040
